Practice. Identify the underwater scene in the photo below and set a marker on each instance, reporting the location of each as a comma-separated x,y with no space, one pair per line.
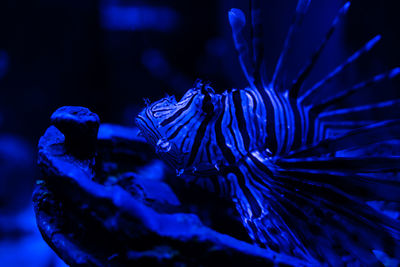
199,133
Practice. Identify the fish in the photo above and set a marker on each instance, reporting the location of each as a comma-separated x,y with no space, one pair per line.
302,171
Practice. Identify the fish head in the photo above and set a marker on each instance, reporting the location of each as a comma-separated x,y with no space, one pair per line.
177,128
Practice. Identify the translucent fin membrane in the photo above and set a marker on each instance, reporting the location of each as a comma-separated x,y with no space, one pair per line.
301,9
257,38
237,19
364,136
304,73
367,47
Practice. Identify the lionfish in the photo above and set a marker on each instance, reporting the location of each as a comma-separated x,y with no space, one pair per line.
301,171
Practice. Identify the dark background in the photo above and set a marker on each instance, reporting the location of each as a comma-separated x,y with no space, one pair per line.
108,55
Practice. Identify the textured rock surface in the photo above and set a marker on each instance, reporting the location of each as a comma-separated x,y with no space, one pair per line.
79,126
116,204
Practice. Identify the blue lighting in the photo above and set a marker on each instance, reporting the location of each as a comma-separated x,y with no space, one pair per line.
139,18
4,63
287,155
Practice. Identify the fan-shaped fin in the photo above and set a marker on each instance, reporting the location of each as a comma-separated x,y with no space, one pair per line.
357,185
237,20
315,214
257,38
341,121
334,129
312,112
362,137
338,223
304,73
318,107
367,47
387,109
341,164
301,9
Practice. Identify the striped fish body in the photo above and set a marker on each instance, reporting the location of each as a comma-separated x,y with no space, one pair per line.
295,165
226,135
206,132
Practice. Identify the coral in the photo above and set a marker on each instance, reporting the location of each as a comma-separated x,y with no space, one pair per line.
118,205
